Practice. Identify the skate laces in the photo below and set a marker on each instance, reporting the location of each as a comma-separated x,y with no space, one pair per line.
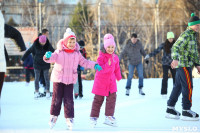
93,118
111,118
191,112
70,120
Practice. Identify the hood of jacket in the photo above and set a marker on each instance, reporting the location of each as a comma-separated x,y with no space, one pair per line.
60,46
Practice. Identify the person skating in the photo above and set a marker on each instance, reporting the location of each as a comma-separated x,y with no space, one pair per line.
67,57
105,82
134,50
185,56
40,46
166,61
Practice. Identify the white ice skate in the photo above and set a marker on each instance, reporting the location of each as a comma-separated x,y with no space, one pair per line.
111,121
70,122
93,121
52,121
48,95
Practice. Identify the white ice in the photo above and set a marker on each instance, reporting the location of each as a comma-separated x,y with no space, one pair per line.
21,113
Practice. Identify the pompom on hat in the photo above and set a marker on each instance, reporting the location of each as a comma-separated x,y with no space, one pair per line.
193,20
42,39
68,34
170,35
109,40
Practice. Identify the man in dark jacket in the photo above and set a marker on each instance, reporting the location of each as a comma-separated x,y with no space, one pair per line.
134,50
39,48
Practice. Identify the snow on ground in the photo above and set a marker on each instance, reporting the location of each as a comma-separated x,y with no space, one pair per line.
21,113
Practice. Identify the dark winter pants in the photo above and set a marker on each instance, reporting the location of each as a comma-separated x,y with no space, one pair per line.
184,85
80,84
166,68
28,72
37,78
2,74
42,80
62,92
98,101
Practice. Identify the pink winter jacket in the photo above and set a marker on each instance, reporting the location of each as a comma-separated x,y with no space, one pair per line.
105,80
66,64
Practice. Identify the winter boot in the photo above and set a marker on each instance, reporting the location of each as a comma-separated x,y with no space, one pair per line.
127,92
189,115
172,113
141,92
111,121
52,121
93,121
69,122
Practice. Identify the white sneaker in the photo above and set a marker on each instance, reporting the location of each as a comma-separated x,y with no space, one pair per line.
111,121
70,122
52,121
93,121
48,95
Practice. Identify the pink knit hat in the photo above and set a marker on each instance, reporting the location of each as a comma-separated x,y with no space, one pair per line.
109,40
68,34
42,39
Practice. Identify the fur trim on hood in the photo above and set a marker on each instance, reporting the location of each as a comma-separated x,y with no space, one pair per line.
61,43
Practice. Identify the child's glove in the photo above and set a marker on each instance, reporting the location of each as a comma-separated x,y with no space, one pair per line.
48,54
97,67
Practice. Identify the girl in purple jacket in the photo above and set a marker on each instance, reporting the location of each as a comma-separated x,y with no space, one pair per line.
108,76
66,58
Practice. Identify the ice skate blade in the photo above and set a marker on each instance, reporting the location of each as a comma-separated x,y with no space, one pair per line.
170,116
185,118
110,124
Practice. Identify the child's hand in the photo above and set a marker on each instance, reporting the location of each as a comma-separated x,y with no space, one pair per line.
48,54
97,67
109,62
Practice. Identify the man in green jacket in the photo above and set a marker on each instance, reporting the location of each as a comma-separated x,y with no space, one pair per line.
185,56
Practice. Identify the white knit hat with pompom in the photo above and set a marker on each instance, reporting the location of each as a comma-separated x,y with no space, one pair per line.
69,33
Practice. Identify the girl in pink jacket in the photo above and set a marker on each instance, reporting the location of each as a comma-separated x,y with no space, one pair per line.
66,58
105,82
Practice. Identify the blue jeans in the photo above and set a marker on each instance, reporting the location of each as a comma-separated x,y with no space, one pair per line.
131,69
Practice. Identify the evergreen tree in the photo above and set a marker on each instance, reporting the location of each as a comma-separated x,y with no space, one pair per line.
81,19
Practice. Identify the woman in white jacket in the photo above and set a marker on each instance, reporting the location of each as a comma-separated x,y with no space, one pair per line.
2,54
9,32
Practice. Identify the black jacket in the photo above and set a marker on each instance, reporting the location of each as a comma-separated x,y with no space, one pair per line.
38,52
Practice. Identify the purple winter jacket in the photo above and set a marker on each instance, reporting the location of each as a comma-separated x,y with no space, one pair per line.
105,80
66,64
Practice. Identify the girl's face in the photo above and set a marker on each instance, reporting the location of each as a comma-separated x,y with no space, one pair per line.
110,49
71,43
170,40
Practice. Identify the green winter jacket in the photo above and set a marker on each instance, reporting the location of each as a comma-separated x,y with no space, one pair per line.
185,49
